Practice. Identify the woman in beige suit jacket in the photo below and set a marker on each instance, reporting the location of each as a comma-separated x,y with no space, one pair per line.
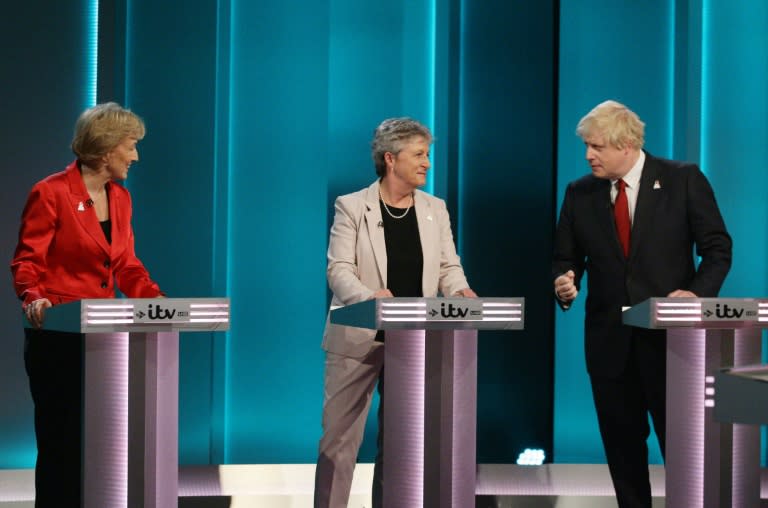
389,239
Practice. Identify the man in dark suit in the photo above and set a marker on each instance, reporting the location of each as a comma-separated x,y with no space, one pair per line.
632,225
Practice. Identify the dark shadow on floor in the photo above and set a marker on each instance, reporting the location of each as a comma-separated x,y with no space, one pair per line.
515,502
205,502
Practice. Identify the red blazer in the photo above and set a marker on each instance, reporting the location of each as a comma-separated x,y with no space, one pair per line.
62,252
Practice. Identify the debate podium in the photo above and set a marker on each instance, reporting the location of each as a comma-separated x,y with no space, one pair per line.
131,392
430,395
708,464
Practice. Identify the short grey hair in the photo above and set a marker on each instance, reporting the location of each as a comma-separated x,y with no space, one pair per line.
391,135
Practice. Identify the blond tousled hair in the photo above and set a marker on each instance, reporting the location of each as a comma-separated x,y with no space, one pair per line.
619,125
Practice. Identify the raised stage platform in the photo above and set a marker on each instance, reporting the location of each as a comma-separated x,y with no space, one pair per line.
290,486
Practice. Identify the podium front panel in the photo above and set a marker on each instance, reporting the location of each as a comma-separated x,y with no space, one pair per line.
707,313
431,366
708,464
433,314
130,393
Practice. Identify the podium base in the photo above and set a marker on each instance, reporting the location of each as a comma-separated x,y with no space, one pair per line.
430,424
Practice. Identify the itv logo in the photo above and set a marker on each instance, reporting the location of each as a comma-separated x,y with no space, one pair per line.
458,309
734,310
154,312
451,312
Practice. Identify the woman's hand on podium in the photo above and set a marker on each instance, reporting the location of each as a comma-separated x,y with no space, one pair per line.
466,293
35,311
383,293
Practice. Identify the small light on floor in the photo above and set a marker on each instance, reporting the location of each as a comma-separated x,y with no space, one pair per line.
531,457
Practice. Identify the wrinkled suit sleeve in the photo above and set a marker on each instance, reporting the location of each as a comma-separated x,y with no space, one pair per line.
343,269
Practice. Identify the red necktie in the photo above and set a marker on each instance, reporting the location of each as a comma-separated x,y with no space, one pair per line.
621,213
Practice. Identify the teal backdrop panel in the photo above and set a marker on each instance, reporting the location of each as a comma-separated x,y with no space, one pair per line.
258,116
169,65
507,110
260,113
734,129
47,80
277,230
605,53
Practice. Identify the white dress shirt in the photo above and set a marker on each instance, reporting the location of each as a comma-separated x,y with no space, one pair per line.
632,181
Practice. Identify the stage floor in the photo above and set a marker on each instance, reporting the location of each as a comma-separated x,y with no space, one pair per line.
290,486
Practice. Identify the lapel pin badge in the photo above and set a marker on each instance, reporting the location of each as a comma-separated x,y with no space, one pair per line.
80,207
656,185
429,217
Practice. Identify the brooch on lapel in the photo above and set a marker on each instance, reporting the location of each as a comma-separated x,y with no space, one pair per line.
429,217
656,185
80,207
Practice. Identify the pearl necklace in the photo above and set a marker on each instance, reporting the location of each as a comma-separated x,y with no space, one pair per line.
389,212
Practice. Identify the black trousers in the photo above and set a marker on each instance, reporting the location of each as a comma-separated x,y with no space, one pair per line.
54,364
623,404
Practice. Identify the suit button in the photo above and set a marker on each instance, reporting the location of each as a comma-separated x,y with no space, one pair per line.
104,285
106,263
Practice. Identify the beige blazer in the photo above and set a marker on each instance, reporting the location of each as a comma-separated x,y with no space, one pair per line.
357,260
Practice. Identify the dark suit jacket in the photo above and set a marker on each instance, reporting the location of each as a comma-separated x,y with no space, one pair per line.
62,253
675,210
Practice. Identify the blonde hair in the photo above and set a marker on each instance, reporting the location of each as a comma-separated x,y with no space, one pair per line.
618,124
101,128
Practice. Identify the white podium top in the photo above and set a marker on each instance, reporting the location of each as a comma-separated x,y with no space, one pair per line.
433,314
139,315
728,313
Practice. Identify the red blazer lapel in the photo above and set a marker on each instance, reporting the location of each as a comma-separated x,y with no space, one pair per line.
120,217
83,211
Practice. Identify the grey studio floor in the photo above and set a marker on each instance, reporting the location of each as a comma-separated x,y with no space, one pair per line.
290,486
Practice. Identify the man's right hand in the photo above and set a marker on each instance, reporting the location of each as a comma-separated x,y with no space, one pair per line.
565,288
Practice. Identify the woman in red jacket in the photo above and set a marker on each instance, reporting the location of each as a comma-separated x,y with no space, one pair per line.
75,242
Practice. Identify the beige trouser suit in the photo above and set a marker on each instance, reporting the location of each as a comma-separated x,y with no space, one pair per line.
357,267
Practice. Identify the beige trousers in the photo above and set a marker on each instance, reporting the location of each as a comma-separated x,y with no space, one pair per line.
349,384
